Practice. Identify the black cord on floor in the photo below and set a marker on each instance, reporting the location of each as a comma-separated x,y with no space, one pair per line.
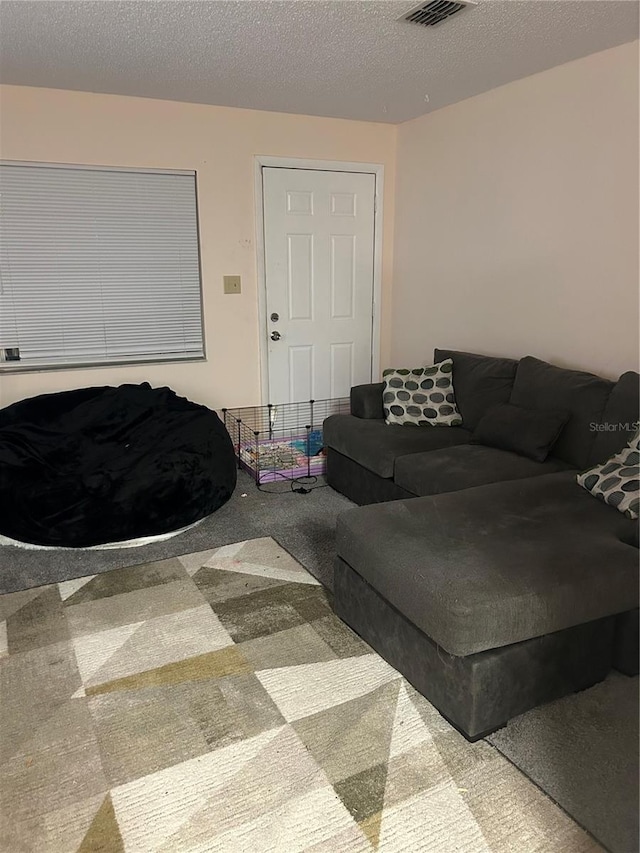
296,485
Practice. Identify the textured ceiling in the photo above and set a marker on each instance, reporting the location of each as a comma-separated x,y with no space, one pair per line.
350,59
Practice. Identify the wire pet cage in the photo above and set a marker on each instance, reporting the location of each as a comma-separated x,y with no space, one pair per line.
281,442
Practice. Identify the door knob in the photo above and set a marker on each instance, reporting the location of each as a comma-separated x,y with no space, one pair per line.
275,336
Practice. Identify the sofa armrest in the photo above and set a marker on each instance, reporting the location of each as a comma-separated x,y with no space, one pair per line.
366,400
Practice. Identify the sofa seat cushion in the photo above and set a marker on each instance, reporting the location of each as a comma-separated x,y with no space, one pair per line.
494,565
455,468
375,445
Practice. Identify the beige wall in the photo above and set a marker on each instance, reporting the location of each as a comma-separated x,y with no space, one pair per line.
517,220
75,127
516,216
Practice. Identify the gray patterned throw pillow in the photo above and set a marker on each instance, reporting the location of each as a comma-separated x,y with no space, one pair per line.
420,397
617,481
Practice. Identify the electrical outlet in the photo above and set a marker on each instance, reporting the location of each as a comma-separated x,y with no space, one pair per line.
231,283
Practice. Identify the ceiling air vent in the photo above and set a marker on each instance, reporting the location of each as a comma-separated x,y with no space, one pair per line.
435,12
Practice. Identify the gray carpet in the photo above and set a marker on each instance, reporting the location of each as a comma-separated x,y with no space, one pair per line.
303,524
581,750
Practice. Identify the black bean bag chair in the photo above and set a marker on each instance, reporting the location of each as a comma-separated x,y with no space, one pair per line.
107,464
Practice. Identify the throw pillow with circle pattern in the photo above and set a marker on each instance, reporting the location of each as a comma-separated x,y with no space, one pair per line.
617,481
420,397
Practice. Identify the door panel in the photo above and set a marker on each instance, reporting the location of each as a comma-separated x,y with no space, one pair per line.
319,238
343,273
342,377
300,276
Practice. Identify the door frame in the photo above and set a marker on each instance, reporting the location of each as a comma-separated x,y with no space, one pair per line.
375,169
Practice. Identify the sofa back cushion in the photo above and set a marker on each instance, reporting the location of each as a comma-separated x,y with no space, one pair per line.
479,382
619,419
539,385
528,432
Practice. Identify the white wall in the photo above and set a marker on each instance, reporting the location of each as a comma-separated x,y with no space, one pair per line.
517,221
49,125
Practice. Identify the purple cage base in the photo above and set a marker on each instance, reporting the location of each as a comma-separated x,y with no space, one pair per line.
308,466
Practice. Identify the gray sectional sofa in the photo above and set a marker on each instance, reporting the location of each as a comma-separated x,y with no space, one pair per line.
491,581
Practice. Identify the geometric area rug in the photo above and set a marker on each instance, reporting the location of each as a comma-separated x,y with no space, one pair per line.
214,702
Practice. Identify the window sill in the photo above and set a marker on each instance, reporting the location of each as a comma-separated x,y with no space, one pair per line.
7,367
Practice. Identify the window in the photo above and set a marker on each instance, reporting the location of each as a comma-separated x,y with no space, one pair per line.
98,266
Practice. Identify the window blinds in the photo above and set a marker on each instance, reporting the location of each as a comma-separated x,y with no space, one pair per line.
98,266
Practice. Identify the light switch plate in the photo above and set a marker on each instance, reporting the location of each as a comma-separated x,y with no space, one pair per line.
231,283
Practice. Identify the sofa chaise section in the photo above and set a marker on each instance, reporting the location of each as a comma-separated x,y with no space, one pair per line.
513,587
495,565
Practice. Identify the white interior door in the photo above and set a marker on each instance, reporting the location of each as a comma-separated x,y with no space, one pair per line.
319,246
